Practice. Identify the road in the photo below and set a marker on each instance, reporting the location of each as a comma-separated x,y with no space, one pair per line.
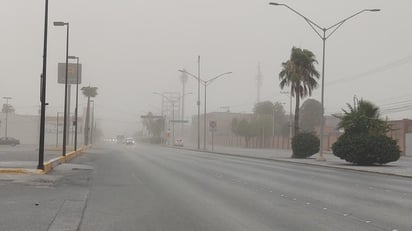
144,187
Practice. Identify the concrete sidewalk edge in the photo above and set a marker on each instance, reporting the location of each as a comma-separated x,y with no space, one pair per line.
293,161
48,166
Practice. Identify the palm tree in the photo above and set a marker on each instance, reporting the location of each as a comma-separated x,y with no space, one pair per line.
363,117
88,92
300,74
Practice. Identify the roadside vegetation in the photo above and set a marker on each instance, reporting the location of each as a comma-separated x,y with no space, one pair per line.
305,144
364,141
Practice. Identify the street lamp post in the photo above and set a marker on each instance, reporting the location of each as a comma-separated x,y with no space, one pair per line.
198,100
7,112
324,36
77,100
65,85
205,83
40,164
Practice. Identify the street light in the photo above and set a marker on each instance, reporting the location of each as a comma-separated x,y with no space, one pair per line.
322,34
7,112
198,100
65,84
77,100
43,81
205,83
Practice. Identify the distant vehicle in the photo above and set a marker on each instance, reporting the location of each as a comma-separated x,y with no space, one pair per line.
179,143
9,141
129,141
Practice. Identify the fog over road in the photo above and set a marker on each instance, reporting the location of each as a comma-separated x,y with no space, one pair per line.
142,187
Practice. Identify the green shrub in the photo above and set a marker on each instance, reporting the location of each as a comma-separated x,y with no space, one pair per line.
305,144
366,149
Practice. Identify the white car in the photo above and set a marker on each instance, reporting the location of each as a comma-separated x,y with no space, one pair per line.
129,141
179,142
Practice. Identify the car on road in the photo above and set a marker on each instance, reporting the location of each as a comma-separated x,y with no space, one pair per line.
179,143
9,141
129,141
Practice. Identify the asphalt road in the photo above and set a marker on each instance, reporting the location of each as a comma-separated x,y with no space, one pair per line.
144,187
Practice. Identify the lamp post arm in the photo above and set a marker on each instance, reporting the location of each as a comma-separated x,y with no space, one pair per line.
193,76
311,23
301,15
214,78
337,25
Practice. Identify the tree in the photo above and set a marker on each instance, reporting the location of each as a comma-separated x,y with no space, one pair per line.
364,140
363,118
245,129
89,92
263,108
310,113
299,73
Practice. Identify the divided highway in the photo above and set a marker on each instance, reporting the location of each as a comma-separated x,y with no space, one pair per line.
143,187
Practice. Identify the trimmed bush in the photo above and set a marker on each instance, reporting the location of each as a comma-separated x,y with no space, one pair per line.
305,144
366,149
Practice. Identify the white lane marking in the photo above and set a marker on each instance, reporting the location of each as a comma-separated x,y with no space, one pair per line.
325,208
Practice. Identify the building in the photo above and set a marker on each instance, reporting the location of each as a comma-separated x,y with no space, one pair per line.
26,128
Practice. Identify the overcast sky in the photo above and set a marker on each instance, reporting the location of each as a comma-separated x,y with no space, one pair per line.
131,48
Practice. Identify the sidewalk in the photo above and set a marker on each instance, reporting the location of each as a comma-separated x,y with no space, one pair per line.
402,167
24,158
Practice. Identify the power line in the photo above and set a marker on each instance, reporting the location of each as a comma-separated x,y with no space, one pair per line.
378,69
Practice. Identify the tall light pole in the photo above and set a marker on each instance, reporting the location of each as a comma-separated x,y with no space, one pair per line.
65,85
7,112
205,83
77,100
322,33
43,81
198,99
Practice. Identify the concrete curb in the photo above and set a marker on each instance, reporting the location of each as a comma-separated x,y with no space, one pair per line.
297,163
20,171
48,166
51,164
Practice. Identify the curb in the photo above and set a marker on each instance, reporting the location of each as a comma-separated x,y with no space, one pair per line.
297,163
48,166
51,164
20,171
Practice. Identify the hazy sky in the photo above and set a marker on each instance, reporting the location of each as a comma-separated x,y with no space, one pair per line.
131,48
